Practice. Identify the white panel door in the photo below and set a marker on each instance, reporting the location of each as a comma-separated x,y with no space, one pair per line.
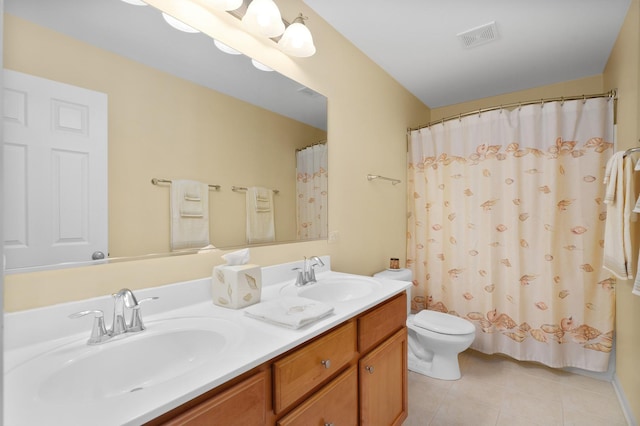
55,172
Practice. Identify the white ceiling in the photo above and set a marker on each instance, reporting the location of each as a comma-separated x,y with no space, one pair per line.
540,42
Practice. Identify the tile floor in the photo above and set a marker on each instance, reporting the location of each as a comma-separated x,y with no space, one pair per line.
499,391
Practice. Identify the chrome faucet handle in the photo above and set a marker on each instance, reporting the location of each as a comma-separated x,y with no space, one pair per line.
311,274
98,330
136,324
300,279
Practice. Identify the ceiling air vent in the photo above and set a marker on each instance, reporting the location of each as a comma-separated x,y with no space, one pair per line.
479,35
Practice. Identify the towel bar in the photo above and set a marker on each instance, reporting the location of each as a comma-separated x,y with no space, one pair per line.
393,181
630,150
157,181
244,188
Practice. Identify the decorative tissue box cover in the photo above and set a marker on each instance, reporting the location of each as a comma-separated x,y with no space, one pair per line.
236,286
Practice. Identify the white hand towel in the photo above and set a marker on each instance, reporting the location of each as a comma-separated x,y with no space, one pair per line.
189,214
260,215
290,312
619,197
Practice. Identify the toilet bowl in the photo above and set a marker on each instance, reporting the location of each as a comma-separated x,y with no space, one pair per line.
435,340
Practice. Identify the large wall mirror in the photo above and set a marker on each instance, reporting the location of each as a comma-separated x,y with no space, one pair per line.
176,107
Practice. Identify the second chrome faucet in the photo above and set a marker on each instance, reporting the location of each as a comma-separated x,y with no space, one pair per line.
123,301
307,274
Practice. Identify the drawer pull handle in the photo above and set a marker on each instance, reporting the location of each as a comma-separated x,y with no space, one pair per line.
328,424
326,363
369,368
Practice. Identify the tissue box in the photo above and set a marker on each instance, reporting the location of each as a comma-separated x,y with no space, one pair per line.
236,286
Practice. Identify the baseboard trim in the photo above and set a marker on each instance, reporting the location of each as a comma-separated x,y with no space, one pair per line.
626,410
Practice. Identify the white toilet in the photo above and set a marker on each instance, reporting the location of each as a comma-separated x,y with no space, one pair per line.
435,338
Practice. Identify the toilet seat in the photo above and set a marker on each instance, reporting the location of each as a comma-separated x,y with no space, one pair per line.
442,323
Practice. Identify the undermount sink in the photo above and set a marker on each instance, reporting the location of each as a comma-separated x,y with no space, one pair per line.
334,289
77,373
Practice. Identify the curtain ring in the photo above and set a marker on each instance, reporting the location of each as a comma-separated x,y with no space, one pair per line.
562,101
459,117
541,103
584,99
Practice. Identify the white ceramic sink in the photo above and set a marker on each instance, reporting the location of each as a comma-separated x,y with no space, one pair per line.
76,373
334,289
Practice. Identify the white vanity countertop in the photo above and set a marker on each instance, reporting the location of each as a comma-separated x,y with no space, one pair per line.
31,333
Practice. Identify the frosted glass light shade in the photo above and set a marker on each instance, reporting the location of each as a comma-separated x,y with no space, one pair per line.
263,17
226,49
178,25
261,66
135,2
297,40
225,4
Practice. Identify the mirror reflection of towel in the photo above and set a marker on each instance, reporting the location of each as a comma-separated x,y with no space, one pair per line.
189,214
260,215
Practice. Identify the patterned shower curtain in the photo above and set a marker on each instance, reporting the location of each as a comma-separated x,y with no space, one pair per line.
311,187
506,225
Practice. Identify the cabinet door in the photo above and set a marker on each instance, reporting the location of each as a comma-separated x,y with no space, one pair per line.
243,404
383,383
335,404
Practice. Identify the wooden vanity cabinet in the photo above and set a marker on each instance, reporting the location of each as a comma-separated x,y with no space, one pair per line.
355,373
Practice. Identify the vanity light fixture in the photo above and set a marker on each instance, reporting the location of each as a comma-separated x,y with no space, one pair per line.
263,17
224,4
297,39
178,25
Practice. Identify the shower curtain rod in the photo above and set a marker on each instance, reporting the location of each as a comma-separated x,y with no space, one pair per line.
312,145
610,94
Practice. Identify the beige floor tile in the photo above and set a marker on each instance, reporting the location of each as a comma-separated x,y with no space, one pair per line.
478,391
535,386
453,412
597,404
507,419
582,418
531,408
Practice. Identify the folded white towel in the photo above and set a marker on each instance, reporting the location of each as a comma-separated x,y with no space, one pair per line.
290,312
189,214
260,215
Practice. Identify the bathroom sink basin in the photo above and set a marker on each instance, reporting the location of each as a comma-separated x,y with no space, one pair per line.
76,373
334,289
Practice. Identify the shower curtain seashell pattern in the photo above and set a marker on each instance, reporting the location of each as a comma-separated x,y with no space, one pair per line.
506,229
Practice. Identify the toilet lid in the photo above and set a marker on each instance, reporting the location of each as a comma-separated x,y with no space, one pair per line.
443,323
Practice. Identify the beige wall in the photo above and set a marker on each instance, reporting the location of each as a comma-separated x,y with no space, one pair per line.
166,127
368,116
623,72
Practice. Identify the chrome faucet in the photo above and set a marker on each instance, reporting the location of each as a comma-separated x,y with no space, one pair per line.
307,274
122,301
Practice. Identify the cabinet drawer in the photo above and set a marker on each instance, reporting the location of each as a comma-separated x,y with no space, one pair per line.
243,404
335,404
375,326
301,371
